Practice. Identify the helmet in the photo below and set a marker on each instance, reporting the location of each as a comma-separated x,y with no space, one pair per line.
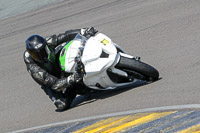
37,48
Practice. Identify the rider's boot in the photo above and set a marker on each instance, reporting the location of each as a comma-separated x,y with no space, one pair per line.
59,101
62,103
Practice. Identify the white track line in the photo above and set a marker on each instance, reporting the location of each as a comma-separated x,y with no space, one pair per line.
189,106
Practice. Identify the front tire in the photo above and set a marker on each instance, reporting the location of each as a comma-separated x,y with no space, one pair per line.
139,67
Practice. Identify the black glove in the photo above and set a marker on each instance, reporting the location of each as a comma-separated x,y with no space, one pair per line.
88,32
61,84
74,78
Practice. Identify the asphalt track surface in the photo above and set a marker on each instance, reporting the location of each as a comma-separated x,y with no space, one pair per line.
165,33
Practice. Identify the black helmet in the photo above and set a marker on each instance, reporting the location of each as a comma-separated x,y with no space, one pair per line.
37,48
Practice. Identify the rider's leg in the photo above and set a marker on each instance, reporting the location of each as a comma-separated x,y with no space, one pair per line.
57,97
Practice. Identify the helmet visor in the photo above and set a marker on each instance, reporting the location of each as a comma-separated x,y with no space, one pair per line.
40,56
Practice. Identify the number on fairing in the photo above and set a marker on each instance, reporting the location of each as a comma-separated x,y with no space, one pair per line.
105,42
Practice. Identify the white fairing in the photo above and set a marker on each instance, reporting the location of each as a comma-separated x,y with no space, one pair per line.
92,52
96,65
70,55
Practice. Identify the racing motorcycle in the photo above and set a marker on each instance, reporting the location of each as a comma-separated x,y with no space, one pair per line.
101,64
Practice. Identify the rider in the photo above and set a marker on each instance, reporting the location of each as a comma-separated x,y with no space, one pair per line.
42,64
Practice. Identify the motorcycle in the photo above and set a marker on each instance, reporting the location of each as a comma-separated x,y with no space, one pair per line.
101,64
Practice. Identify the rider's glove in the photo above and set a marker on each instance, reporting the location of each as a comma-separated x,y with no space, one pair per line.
88,32
74,78
61,84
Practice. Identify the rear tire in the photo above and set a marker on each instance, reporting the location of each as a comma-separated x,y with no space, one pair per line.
139,67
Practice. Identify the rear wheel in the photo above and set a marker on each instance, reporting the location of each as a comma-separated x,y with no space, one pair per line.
138,69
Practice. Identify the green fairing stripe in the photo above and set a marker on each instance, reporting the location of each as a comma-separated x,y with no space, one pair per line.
62,56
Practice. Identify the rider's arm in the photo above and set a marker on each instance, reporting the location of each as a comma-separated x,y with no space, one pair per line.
69,35
56,40
42,77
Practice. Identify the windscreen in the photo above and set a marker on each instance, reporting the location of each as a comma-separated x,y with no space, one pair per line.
81,38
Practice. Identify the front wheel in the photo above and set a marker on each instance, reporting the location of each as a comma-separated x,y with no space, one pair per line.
138,68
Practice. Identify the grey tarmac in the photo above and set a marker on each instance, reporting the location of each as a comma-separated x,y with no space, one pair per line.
164,33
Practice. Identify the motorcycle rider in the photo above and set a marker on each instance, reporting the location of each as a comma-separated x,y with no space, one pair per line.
43,65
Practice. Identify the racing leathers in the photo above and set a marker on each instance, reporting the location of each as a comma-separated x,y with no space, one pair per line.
48,74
